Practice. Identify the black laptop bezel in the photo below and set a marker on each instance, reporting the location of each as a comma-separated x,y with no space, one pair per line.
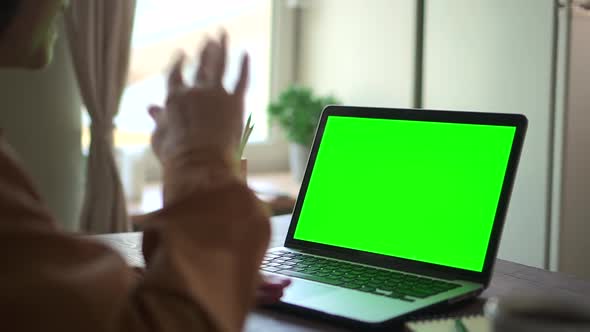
519,121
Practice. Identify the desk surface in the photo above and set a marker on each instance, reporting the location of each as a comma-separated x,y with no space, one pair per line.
508,279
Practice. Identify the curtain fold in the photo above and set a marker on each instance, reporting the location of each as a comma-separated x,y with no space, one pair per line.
99,33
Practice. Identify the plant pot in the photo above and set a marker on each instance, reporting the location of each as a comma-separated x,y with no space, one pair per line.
244,169
298,155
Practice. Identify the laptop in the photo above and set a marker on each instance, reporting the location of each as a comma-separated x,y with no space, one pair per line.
400,211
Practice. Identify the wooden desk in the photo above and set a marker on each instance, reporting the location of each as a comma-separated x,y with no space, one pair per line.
508,279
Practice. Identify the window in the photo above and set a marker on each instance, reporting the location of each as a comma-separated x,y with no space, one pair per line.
161,28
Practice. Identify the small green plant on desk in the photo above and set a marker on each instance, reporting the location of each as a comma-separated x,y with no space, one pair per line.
278,203
248,128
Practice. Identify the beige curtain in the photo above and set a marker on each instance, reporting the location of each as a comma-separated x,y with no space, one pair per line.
99,32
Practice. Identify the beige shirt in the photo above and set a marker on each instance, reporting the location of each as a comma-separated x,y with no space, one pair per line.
203,254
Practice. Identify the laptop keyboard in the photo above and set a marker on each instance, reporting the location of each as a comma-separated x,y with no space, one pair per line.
405,287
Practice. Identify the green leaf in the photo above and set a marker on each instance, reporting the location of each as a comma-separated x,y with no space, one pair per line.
298,110
248,128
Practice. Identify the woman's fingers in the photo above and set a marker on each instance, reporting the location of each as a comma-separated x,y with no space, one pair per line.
175,79
155,112
159,117
266,297
202,75
271,289
211,70
222,58
242,82
273,283
212,62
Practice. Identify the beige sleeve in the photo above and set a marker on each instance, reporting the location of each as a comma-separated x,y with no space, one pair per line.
201,277
209,249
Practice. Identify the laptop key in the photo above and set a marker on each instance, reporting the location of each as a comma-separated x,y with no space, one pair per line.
306,276
416,293
373,284
383,292
393,295
367,289
352,285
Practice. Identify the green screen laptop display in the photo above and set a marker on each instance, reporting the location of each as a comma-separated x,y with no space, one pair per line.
425,191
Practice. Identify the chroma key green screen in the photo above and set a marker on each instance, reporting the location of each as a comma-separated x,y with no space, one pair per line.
425,191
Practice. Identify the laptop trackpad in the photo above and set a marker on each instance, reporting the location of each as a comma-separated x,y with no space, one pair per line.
301,289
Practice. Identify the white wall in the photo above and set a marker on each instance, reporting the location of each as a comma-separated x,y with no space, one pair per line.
40,114
361,51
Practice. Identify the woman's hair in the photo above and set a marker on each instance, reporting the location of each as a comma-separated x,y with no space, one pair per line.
8,9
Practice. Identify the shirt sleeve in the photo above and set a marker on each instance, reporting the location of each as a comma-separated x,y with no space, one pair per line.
202,274
209,249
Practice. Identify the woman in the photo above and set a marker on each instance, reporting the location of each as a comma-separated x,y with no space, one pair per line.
202,249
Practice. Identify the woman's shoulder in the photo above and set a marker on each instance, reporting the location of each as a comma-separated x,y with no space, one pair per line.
18,195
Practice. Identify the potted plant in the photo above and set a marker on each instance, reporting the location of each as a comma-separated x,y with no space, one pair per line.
248,128
298,110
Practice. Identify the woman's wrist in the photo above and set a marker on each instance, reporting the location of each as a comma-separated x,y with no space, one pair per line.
198,170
